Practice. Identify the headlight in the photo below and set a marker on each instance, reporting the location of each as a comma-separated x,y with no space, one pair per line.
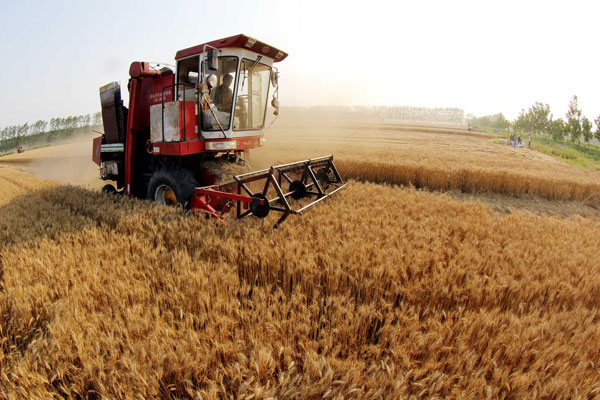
220,146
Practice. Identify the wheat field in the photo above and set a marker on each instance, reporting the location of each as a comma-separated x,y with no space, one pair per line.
432,158
380,292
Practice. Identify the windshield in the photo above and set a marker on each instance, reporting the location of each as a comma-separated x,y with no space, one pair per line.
252,93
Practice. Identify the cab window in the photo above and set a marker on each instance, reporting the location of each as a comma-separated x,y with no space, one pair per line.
252,94
187,77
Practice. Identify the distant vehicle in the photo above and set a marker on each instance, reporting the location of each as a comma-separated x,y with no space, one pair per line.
20,149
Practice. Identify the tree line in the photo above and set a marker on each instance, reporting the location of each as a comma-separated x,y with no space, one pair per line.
539,119
495,121
448,115
575,126
27,134
54,124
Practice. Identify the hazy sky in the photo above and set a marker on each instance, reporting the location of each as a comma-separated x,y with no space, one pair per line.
481,56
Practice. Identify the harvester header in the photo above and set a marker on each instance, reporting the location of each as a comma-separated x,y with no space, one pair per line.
186,136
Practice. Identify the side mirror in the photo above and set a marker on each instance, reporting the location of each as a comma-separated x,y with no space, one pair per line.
193,77
212,62
274,77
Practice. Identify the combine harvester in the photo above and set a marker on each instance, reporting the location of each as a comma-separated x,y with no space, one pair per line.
186,135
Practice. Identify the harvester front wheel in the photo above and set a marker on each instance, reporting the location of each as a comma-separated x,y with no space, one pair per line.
109,189
171,185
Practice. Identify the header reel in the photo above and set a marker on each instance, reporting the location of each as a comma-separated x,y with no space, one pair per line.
258,193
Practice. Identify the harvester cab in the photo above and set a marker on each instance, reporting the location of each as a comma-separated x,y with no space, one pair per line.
186,135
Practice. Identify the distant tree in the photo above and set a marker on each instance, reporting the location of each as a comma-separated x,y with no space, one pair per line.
586,129
35,128
86,120
501,122
38,126
574,120
13,132
523,122
557,129
539,117
97,118
597,133
22,130
53,124
496,121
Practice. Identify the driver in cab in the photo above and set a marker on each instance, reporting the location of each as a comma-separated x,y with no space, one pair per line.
222,95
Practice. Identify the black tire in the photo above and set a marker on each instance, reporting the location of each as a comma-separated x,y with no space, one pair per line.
178,180
109,189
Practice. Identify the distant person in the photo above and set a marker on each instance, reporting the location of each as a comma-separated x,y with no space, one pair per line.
529,141
222,95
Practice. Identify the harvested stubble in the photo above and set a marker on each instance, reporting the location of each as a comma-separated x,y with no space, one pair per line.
381,292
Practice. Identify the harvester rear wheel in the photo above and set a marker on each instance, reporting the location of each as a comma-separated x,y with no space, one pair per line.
171,185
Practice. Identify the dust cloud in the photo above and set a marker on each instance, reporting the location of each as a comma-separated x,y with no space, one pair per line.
292,137
296,134
67,162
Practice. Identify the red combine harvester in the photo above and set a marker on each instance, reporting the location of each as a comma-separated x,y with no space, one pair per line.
186,136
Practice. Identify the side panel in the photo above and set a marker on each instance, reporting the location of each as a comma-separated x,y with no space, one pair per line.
187,114
199,146
144,91
152,91
164,122
172,116
130,141
96,148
